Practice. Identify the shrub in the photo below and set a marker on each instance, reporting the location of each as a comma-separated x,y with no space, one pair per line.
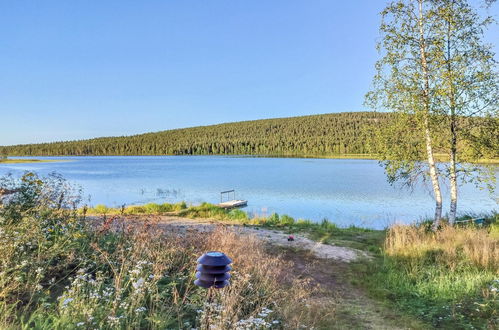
302,223
135,209
100,209
328,226
286,220
272,220
238,215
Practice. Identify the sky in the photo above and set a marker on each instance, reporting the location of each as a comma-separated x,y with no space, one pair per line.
88,68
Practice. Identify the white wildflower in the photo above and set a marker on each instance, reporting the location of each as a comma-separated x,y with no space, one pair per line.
137,285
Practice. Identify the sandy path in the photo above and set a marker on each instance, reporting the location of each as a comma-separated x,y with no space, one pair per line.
273,237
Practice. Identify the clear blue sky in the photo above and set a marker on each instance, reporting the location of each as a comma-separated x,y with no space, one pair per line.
80,69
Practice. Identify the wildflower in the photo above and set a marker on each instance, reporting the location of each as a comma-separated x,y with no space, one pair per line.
67,301
137,285
140,310
79,324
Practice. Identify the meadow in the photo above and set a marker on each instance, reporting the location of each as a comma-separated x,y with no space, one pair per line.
65,266
60,272
446,278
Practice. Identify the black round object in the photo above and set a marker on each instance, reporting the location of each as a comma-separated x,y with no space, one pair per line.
212,277
214,258
221,284
206,285
203,284
212,270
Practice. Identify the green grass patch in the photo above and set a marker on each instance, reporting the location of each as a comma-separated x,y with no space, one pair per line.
449,279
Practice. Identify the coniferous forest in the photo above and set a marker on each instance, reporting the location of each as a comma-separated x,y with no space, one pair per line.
315,135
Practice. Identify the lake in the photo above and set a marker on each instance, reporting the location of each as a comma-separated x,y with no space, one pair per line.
345,191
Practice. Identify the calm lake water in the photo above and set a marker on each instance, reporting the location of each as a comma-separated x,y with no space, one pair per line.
346,191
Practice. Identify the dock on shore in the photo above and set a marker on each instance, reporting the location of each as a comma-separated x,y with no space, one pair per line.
227,203
233,204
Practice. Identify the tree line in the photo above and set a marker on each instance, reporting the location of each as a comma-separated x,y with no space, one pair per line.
315,135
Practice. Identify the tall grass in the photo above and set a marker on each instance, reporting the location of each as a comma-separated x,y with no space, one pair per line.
450,246
449,277
58,271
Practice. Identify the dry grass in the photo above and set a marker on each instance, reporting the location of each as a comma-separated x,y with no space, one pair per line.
125,274
451,243
264,282
448,278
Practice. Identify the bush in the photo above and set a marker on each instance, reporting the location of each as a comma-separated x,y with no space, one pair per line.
100,209
238,215
328,226
273,220
286,220
302,223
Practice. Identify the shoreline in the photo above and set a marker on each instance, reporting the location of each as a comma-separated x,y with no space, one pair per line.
28,161
439,157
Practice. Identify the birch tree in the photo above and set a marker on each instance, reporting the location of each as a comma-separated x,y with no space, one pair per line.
468,89
440,78
405,84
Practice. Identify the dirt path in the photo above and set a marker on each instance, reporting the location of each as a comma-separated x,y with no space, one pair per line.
273,237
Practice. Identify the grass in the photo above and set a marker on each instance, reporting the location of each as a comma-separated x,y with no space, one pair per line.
448,278
58,271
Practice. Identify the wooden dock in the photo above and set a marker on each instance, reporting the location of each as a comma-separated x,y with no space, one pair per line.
226,203
233,204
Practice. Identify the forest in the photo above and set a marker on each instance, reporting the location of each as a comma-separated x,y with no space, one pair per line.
315,135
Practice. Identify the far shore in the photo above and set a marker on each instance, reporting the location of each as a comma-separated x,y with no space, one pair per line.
21,161
439,157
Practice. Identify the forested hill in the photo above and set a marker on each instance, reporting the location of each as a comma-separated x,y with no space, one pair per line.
316,135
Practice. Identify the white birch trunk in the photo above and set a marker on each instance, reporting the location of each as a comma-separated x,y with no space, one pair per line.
428,140
453,138
453,188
